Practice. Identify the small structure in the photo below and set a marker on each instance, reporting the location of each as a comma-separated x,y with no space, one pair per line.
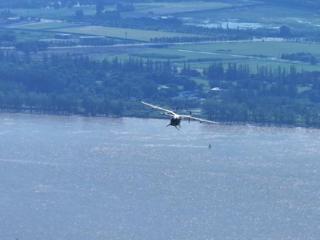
62,36
215,89
60,42
162,87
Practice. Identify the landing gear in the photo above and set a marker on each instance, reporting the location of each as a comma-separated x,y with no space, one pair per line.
176,126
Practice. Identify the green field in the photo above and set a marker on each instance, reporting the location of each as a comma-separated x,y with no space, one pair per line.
44,25
198,55
267,15
258,48
125,33
32,36
113,32
252,53
166,8
246,53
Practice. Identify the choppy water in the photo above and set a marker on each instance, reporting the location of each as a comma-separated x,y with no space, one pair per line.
80,178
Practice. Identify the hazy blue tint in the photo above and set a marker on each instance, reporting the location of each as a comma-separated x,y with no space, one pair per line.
80,178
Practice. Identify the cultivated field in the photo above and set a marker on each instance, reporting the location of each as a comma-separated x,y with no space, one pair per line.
266,15
253,48
252,53
113,32
43,25
198,55
165,8
124,33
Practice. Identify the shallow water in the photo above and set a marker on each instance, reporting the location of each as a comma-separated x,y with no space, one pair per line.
100,178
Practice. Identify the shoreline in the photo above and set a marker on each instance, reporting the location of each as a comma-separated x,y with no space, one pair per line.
57,114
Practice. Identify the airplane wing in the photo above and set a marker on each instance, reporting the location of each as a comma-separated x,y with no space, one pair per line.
159,108
191,118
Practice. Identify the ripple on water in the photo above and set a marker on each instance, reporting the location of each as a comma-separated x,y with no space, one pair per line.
88,178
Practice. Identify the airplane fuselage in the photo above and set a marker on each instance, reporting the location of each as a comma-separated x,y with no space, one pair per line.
175,121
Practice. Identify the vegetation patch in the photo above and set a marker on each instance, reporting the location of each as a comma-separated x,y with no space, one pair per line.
157,56
124,33
264,14
43,25
161,8
247,48
254,53
301,56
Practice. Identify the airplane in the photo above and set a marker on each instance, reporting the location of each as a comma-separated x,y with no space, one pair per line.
175,119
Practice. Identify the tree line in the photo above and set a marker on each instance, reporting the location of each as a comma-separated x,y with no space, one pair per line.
66,84
78,85
269,95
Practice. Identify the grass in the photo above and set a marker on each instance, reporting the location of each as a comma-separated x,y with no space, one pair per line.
201,56
198,55
25,35
32,36
251,53
268,15
124,33
44,25
165,8
267,48
157,56
113,32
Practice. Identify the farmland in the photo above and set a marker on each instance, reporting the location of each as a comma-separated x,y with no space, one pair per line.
125,33
43,25
252,48
113,32
263,14
252,53
190,44
200,56
197,55
166,8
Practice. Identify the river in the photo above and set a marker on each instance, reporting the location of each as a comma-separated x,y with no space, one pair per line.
79,178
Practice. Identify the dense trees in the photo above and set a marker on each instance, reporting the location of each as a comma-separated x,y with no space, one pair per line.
301,56
65,84
285,31
79,85
31,46
269,95
7,36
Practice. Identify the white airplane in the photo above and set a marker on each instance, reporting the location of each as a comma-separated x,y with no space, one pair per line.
175,119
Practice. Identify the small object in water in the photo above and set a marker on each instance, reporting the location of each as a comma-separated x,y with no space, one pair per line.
209,146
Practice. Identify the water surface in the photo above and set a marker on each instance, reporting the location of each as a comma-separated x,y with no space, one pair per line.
80,178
